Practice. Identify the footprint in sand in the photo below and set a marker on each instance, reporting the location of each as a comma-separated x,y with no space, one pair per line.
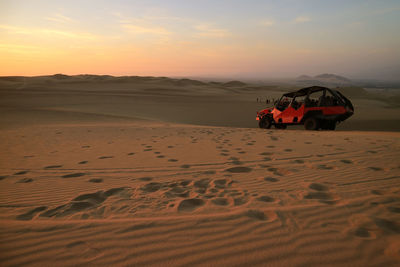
239,201
151,187
221,183
83,162
106,157
394,209
25,180
53,167
388,225
321,192
96,180
3,177
185,166
266,199
172,160
275,171
201,185
131,153
324,167
363,233
375,168
21,172
318,187
74,175
191,204
239,169
178,190
30,214
83,202
237,162
346,161
256,214
145,179
220,201
377,192
271,179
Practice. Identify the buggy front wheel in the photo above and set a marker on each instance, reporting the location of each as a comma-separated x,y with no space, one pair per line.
265,123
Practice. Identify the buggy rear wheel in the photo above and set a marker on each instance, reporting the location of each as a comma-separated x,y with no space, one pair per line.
328,125
311,124
331,125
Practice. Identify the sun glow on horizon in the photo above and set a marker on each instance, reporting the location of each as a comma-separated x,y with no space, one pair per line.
197,39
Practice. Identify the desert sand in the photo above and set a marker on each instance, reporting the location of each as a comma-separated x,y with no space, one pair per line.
121,174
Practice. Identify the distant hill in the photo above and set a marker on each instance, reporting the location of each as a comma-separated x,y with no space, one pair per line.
234,84
325,79
333,77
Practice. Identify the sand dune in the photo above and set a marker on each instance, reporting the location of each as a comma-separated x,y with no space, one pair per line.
232,104
111,176
148,193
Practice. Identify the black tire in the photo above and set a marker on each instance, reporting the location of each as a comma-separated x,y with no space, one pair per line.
311,124
332,125
328,125
280,126
265,123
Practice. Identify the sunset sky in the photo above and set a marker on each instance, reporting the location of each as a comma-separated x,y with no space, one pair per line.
193,38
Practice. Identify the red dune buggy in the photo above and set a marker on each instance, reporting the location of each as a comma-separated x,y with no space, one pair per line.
316,107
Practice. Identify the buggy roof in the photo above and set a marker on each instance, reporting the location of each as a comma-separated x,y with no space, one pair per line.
306,91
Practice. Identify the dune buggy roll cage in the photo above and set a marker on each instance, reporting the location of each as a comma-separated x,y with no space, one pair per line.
342,100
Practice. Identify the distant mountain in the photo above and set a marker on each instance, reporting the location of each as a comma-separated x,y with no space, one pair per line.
325,79
327,76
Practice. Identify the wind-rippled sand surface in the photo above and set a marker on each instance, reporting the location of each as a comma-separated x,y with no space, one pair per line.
84,182
147,193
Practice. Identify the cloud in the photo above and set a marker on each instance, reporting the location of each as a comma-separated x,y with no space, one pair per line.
208,30
267,22
302,19
20,49
356,25
37,32
141,25
137,29
60,18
